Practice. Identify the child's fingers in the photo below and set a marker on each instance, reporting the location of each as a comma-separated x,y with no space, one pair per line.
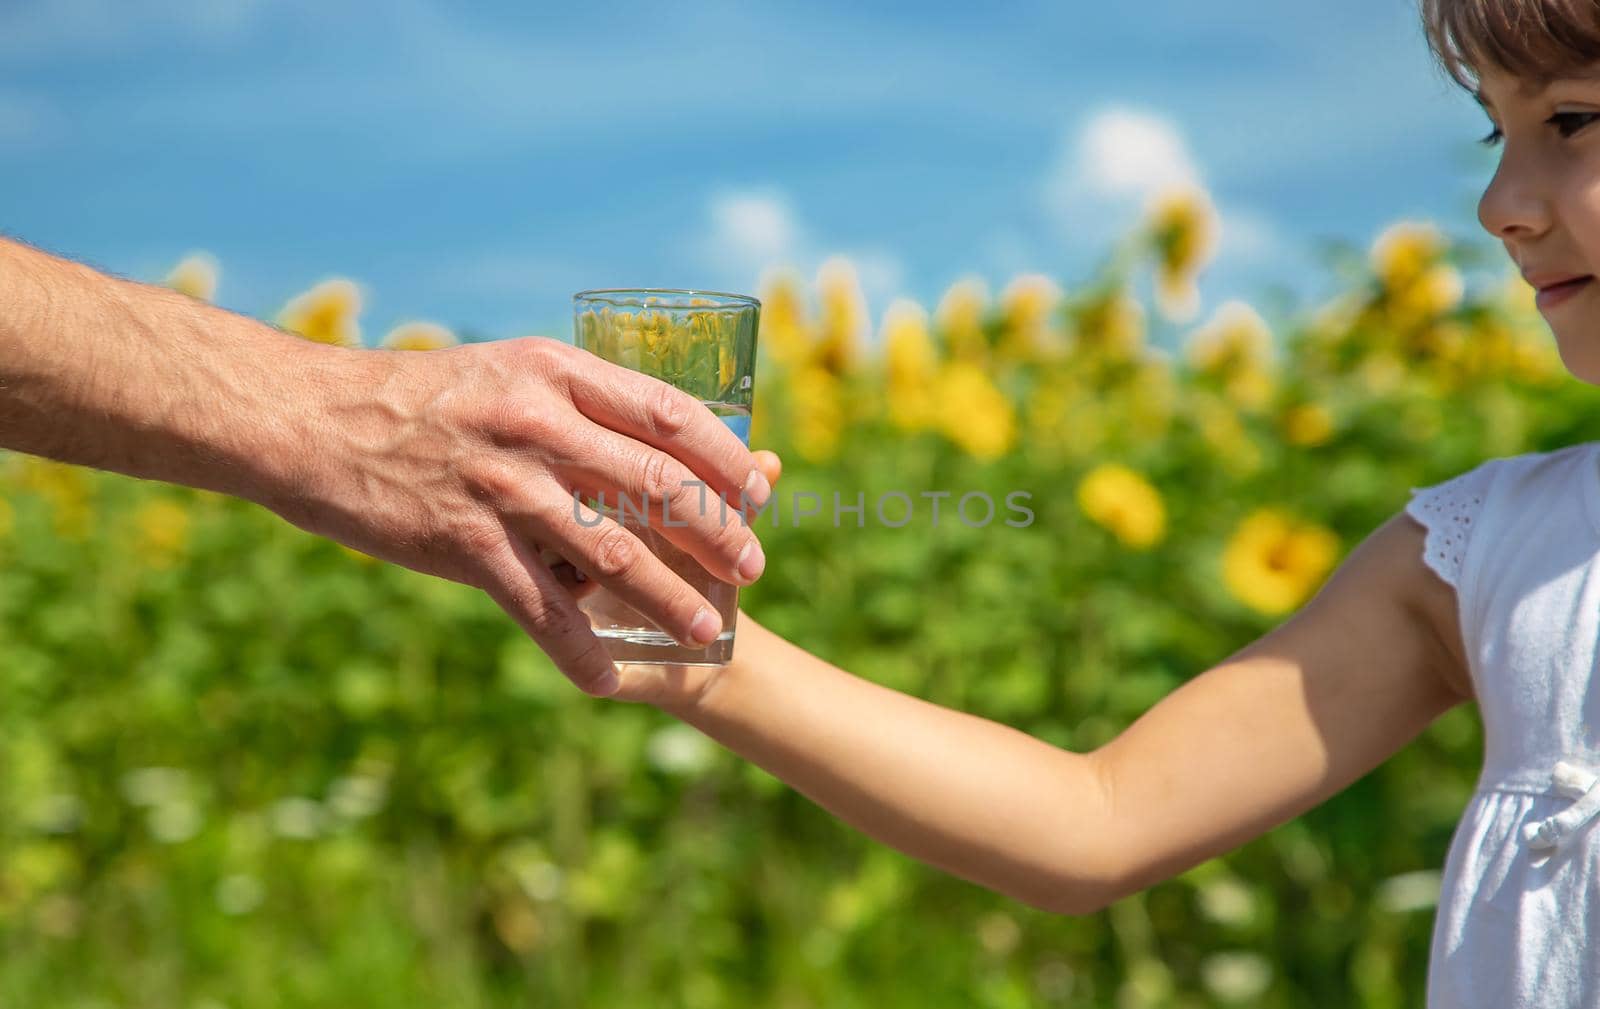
770,465
664,686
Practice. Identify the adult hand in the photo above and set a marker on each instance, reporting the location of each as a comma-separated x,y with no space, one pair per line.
676,689
464,462
461,462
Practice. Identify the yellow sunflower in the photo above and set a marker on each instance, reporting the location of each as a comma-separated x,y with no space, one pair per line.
843,316
1235,347
973,413
161,531
910,364
419,336
1125,503
1273,562
1183,225
196,276
960,318
326,314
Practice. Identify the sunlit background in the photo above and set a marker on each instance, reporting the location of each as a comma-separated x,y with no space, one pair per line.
476,165
1203,279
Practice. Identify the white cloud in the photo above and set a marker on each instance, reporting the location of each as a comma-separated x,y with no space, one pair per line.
1114,161
1107,167
1124,152
753,231
750,231
1119,154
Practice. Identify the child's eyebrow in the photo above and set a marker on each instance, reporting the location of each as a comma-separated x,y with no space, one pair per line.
1527,90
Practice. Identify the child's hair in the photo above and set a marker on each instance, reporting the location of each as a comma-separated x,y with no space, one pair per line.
1536,41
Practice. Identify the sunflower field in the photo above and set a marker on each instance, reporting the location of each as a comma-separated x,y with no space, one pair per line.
246,767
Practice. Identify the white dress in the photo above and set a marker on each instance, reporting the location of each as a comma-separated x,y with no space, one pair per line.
1518,921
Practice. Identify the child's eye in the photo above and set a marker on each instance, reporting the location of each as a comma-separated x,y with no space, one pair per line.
1571,122
1567,123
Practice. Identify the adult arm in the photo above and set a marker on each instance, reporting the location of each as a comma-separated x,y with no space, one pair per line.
461,463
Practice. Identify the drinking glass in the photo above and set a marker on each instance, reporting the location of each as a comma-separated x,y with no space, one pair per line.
703,342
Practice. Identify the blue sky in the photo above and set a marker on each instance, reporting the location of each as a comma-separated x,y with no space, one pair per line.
476,164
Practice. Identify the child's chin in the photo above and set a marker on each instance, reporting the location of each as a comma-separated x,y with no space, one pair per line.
1580,351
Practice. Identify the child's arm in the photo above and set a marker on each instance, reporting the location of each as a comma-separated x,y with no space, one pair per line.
1277,728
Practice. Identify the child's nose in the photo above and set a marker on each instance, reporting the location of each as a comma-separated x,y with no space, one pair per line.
1514,205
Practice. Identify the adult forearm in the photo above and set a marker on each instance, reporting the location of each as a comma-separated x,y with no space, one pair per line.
973,797
109,373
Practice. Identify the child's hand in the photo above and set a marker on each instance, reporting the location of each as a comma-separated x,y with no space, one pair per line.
669,687
678,688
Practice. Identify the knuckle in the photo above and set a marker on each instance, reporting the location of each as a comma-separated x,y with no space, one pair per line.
721,532
547,515
543,351
537,426
547,617
496,420
616,553
659,477
590,664
732,536
482,539
508,419
491,480
669,411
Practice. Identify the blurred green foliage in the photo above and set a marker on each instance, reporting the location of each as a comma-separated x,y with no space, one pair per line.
245,767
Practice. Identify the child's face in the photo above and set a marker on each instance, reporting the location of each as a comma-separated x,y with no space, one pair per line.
1544,203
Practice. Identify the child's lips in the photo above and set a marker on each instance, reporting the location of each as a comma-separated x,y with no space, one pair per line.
1555,294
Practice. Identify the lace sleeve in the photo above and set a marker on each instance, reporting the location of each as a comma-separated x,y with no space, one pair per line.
1447,511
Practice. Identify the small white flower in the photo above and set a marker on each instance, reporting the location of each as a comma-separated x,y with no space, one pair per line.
239,893
357,796
1410,891
539,880
1236,977
679,749
1054,979
999,933
1227,901
151,786
175,821
297,817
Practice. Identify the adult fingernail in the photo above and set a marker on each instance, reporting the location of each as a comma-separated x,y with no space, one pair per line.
706,626
752,561
756,489
607,684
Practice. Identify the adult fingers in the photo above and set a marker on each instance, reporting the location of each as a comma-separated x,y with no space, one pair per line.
767,461
669,419
574,581
522,586
647,576
653,487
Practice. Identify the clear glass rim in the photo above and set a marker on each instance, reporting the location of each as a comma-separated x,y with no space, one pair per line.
632,297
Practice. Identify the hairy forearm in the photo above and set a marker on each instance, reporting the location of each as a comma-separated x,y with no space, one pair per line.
973,797
140,380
